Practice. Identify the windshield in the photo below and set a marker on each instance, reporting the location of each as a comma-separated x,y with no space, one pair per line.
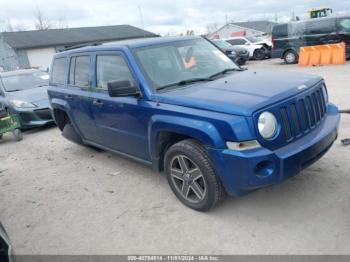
180,61
222,44
25,81
253,39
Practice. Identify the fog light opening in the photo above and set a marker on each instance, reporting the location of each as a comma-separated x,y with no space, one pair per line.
265,169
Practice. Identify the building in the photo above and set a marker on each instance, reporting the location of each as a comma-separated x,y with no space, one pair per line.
253,28
34,49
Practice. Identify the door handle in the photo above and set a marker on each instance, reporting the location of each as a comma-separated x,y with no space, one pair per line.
97,102
68,96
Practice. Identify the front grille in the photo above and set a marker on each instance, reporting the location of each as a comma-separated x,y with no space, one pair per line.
303,115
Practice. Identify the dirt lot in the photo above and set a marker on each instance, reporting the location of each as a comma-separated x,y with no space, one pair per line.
60,198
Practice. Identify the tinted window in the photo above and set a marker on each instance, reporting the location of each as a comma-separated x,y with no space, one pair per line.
58,71
236,41
344,25
79,71
320,26
111,68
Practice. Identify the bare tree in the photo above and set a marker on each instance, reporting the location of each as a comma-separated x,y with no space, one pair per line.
212,27
41,23
61,23
11,27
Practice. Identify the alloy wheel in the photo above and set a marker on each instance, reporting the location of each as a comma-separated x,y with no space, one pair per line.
188,179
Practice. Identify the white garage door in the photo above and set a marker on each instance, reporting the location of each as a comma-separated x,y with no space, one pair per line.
41,57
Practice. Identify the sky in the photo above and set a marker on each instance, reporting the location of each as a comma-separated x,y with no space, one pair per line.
162,17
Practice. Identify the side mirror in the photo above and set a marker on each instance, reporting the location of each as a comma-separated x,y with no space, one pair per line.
118,88
247,43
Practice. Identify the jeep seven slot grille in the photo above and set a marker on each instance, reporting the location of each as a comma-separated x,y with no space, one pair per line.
305,114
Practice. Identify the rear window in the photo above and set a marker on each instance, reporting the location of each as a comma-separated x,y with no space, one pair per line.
280,31
58,71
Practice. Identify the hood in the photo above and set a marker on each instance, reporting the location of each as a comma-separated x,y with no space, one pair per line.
37,96
240,93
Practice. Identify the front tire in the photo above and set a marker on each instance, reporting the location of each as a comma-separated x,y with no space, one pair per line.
191,176
259,54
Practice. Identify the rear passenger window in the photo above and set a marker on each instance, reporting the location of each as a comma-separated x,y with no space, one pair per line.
79,71
58,71
111,68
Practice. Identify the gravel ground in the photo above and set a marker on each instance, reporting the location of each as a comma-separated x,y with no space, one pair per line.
60,198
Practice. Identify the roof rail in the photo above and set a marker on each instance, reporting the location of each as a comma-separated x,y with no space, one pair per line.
80,45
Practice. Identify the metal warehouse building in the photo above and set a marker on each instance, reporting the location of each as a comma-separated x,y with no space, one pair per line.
34,49
252,28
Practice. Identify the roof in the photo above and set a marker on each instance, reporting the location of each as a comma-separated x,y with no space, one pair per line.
262,26
72,36
132,43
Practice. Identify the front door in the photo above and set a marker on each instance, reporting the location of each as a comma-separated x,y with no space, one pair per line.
121,122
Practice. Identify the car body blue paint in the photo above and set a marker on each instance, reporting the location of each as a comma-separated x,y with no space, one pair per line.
213,113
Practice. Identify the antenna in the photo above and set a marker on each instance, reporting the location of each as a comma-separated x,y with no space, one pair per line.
141,21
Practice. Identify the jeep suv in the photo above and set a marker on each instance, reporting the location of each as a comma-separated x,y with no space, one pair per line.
183,107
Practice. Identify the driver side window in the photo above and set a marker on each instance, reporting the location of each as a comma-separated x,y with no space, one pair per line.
111,68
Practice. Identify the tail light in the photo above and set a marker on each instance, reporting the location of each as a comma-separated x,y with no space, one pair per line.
273,43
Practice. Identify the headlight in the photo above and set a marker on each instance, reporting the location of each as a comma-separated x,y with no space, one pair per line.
267,125
325,94
22,104
233,53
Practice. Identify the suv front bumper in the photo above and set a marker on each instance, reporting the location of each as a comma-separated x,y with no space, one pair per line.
244,171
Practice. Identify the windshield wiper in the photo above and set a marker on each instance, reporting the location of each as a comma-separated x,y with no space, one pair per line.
186,82
223,72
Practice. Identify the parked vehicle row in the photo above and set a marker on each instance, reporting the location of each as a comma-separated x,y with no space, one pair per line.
183,107
289,37
258,48
24,93
239,55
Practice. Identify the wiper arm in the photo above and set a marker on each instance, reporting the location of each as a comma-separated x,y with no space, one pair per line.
223,72
186,82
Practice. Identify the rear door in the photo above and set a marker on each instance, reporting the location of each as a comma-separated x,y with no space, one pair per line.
121,122
79,96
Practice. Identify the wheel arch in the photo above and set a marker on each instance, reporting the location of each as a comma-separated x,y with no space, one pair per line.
164,131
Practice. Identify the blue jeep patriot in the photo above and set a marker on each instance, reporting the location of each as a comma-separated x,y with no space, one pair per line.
183,107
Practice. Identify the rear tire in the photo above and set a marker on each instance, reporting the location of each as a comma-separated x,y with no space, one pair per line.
191,176
291,57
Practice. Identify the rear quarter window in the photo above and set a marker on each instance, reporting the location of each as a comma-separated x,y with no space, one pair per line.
58,71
